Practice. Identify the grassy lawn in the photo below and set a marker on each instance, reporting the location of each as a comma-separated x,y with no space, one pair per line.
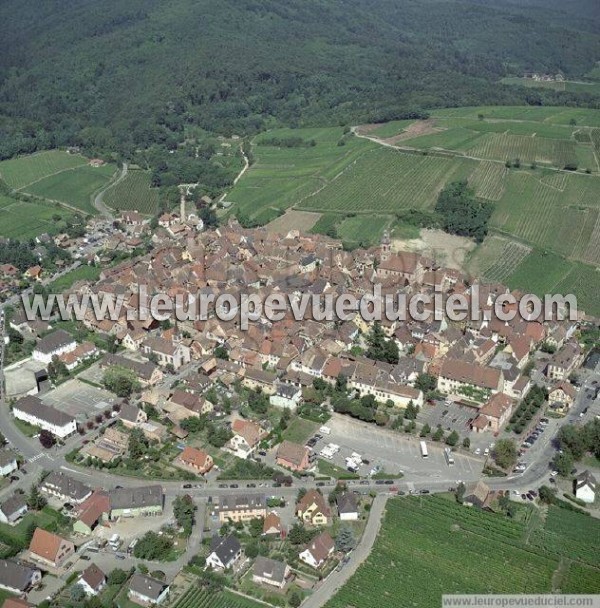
46,519
82,273
300,430
27,429
332,470
4,595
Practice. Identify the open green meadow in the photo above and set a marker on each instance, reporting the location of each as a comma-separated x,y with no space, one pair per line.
133,193
81,273
27,219
25,170
430,546
73,187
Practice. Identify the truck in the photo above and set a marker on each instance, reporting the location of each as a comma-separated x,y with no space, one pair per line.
449,456
325,430
424,452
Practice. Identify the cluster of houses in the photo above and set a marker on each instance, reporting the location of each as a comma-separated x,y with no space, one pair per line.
50,552
312,509
473,362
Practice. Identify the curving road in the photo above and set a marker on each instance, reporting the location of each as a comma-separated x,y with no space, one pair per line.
99,198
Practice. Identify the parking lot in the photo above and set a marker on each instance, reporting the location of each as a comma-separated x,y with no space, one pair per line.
79,400
452,416
394,452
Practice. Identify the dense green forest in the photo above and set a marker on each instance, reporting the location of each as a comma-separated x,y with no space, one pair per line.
118,77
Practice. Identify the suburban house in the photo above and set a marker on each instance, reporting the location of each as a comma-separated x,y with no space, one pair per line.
13,508
132,416
458,376
65,488
167,352
272,525
18,578
585,487
246,436
135,502
270,572
318,550
54,344
293,456
494,414
92,580
8,462
224,552
30,409
565,361
562,396
286,396
50,549
241,507
313,508
198,461
347,506
147,591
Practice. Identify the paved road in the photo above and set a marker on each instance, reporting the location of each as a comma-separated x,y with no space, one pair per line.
339,577
99,198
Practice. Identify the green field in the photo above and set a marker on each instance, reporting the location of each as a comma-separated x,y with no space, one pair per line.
133,193
566,85
39,217
537,206
389,129
195,597
73,187
362,231
81,273
431,546
24,170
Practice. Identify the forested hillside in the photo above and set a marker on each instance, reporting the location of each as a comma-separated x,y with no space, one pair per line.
118,76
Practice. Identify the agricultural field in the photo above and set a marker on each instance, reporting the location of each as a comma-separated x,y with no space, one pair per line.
566,85
431,546
195,597
498,258
385,180
362,231
25,170
133,193
41,217
488,180
73,187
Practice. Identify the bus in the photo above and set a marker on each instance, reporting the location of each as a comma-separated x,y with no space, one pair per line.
449,456
424,452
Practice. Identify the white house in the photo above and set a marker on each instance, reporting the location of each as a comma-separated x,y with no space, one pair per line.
54,344
8,462
92,580
17,578
347,506
286,396
224,552
270,572
12,509
31,409
585,487
147,591
318,550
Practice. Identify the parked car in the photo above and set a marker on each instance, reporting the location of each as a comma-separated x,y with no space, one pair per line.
186,486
